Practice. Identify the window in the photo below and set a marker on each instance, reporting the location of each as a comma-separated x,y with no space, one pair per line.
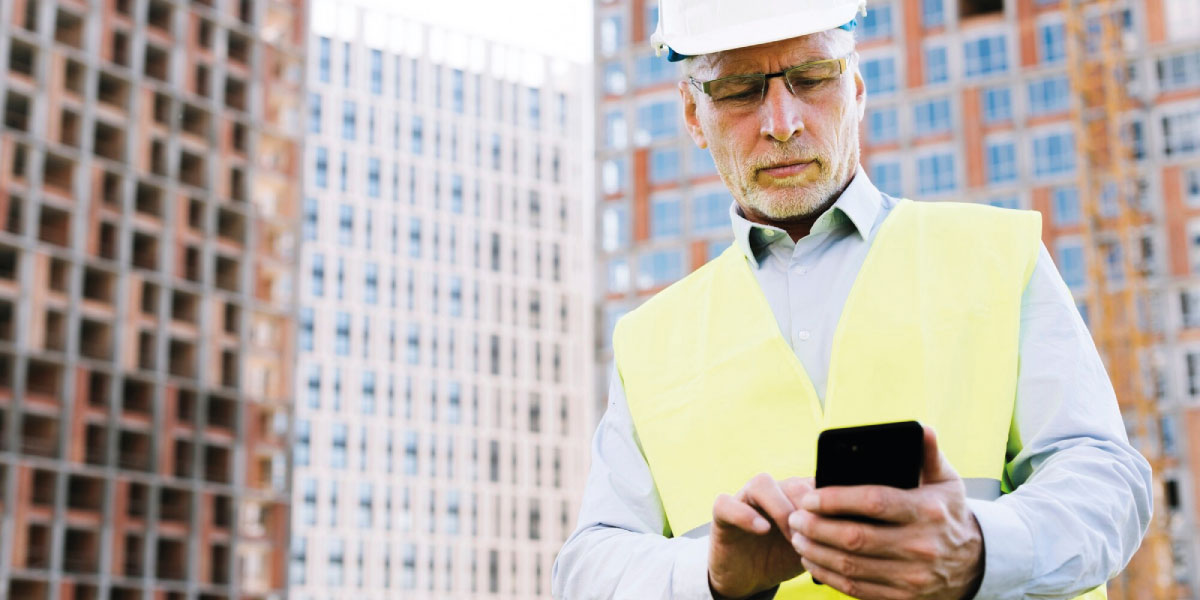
614,78
715,248
618,275
614,175
1053,154
346,64
702,162
935,174
985,56
614,227
932,116
337,457
1070,263
376,72
345,169
614,130
1191,186
886,176
535,108
306,329
371,283
933,13
414,344
653,70
342,340
710,211
880,75
364,505
310,219
611,34
659,268
414,237
1010,202
417,134
664,165
656,121
1049,95
373,175
1181,133
1001,162
299,560
314,112
664,216
322,170
324,59
1065,206
318,275
1052,44
303,442
346,225
1179,71
877,24
937,69
997,105
883,125
456,91
1189,308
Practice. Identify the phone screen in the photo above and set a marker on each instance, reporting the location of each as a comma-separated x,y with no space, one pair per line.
884,454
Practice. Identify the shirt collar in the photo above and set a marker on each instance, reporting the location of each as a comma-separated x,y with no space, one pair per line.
859,205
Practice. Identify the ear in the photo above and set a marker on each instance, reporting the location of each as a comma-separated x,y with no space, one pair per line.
690,120
860,90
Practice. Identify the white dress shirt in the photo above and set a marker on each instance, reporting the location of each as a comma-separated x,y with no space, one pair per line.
1082,495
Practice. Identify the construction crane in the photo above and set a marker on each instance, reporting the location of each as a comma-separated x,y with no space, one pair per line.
1119,300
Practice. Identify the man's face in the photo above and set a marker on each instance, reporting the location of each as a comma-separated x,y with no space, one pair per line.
788,156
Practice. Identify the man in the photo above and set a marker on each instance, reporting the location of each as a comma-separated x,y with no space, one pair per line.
838,305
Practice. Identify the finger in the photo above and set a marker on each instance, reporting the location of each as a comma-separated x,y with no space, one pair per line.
935,466
795,488
879,502
862,590
764,493
899,574
855,537
730,512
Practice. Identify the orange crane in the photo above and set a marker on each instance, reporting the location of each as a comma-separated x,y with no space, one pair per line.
1119,303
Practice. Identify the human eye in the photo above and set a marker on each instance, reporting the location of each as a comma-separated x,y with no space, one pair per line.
736,89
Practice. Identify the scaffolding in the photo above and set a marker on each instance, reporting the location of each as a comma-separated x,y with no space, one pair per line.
1120,299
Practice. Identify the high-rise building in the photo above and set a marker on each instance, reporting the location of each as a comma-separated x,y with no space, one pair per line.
444,362
966,100
148,167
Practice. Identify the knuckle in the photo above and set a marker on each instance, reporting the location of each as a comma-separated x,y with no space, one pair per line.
923,550
875,502
848,567
917,581
850,589
856,538
761,480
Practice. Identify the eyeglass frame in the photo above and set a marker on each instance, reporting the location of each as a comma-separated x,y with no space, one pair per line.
843,62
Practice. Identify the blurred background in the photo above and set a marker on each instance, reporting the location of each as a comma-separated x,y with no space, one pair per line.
313,298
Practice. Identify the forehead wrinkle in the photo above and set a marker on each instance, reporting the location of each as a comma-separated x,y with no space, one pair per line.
725,64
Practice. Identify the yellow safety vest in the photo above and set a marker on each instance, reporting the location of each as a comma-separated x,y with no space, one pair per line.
928,332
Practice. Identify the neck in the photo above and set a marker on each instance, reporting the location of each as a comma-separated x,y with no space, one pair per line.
798,226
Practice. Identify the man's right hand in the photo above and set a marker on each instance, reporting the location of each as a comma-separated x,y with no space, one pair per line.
749,548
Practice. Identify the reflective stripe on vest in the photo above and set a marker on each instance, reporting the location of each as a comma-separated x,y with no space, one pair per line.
929,332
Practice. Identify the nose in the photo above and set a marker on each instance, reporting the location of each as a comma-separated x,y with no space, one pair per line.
781,118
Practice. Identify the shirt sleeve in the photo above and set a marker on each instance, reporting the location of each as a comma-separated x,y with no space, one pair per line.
620,548
1081,495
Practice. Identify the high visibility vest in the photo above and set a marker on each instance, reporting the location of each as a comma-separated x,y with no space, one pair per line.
928,332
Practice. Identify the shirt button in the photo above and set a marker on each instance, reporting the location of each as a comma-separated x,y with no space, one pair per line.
769,233
803,335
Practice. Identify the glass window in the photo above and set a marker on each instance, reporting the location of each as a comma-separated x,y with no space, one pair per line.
1179,71
710,211
937,68
1049,95
1191,186
614,78
997,105
346,225
611,34
376,72
702,162
322,170
314,112
306,329
659,268
1052,43
615,129
664,165
716,247
1001,162
665,216
310,218
346,64
535,108
1181,133
1012,202
337,458
614,175
313,393
371,283
1053,154
456,91
414,344
877,24
324,59
935,174
883,125
614,227
345,169
932,116
417,135
1064,203
1070,263
886,176
303,442
373,177
318,275
880,75
933,13
654,70
618,275
414,237
342,340
985,56
657,120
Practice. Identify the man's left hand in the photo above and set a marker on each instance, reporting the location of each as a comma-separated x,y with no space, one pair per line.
924,543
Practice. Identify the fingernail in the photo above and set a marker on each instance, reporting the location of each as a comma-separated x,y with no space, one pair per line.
794,521
795,540
761,524
811,502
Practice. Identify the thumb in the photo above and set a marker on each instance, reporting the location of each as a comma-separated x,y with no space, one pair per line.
935,466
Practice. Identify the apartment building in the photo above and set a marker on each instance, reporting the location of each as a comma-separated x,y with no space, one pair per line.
966,100
445,282
149,159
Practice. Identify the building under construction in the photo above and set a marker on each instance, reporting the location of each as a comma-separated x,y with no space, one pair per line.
148,197
1088,112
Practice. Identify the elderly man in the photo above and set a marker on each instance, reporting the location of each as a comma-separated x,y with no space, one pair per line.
835,306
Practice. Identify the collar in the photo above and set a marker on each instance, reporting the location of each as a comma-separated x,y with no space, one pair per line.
858,206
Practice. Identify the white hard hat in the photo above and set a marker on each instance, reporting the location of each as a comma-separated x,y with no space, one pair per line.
691,27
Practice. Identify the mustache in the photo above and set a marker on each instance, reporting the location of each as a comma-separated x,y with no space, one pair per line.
781,159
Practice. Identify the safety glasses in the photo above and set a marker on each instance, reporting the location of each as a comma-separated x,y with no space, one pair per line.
742,91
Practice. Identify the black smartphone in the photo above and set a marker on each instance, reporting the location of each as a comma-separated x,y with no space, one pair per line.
884,454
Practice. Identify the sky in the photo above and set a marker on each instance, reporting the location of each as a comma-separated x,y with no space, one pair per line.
561,28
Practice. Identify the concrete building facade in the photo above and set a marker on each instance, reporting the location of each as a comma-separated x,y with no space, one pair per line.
148,168
967,101
441,424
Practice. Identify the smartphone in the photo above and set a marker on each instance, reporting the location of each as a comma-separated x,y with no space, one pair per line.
885,454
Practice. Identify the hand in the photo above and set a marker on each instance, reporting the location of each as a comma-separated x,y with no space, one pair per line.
749,549
924,543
